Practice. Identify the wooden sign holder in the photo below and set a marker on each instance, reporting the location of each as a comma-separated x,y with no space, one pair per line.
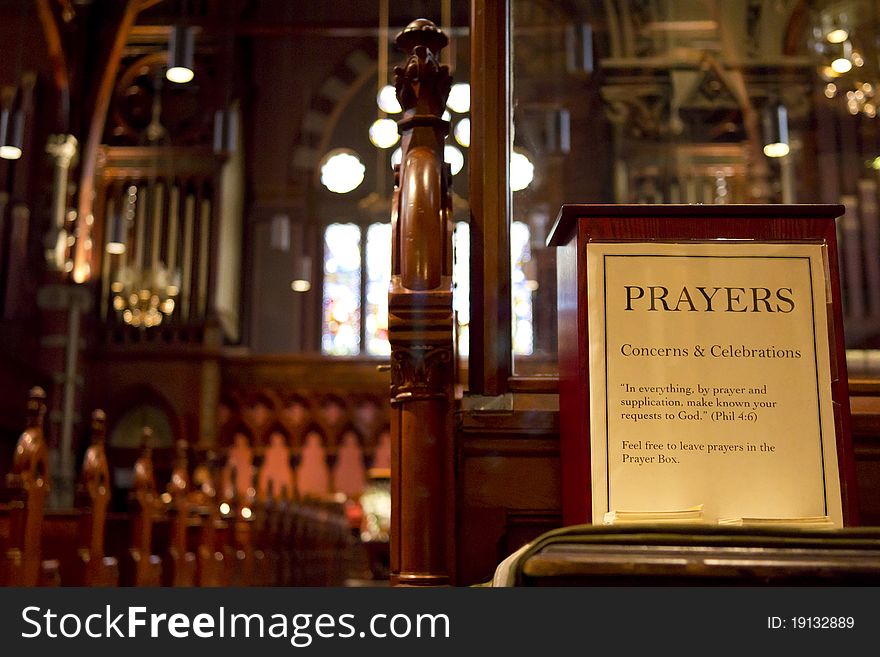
579,225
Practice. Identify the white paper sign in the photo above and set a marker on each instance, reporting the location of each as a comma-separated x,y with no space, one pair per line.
710,380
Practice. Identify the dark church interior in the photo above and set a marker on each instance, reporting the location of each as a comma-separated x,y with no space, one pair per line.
232,354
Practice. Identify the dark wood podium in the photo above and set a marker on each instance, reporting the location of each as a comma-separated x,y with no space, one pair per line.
578,226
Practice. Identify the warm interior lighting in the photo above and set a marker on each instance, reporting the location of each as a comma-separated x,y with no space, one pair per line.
396,157
462,132
342,171
522,171
10,152
775,124
11,134
179,74
81,273
144,298
776,149
459,98
454,158
224,508
841,65
837,35
181,45
302,282
842,59
383,133
116,236
386,99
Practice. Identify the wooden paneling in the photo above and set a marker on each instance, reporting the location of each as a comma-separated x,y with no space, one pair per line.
509,476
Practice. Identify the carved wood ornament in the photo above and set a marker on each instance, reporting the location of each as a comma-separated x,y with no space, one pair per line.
28,485
421,320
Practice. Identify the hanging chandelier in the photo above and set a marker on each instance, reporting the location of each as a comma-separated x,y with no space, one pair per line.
143,298
849,62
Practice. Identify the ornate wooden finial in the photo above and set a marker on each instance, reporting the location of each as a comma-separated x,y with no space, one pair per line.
27,485
421,32
422,83
147,439
144,476
95,477
181,454
36,407
179,484
30,462
99,426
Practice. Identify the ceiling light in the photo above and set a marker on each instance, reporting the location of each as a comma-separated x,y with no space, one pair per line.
841,65
181,46
11,133
342,171
463,132
383,133
842,58
302,282
454,158
837,35
522,171
459,98
775,124
386,99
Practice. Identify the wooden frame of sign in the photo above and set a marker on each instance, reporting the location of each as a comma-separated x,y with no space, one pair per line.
702,362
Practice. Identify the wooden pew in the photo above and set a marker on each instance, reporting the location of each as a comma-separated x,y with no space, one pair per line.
22,516
179,561
93,498
242,542
285,538
76,537
267,541
141,566
214,552
241,518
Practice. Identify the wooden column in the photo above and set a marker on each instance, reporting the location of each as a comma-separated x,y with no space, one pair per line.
490,365
420,321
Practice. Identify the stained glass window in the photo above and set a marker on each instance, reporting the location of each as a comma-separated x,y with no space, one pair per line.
341,330
378,279
342,280
521,288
